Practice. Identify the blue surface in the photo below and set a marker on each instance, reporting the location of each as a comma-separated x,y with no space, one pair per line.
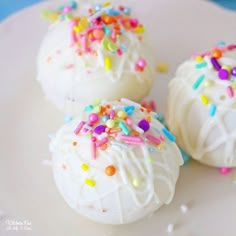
8,7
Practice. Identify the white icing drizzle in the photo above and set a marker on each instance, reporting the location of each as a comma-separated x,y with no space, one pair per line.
132,163
183,101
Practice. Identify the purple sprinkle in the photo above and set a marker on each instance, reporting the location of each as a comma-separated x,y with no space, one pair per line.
99,129
223,74
144,125
233,71
215,63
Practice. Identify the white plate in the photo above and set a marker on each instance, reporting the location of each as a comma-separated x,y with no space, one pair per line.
27,190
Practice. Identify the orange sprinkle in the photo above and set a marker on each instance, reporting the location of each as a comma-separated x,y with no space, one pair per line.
148,110
108,19
114,130
108,106
110,170
216,53
104,146
74,143
136,134
141,109
148,119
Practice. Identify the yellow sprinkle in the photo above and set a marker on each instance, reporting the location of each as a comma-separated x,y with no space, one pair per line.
199,58
122,114
227,67
204,99
208,83
84,167
97,109
76,29
161,146
162,67
234,86
139,29
108,63
106,4
110,123
150,160
96,102
136,182
90,182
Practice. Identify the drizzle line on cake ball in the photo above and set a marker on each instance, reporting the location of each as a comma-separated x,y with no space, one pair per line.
104,25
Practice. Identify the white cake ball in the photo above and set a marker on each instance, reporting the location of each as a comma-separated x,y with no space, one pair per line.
201,109
98,54
115,163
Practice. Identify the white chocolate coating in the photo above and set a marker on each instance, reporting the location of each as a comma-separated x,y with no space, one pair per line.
145,176
210,139
71,80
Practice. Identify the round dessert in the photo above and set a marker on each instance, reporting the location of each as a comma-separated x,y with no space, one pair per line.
115,163
94,50
201,108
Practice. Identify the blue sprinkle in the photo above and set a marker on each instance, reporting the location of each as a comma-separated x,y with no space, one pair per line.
124,128
221,44
129,110
122,31
88,108
107,30
201,65
60,8
212,110
168,134
123,48
127,10
159,117
105,118
67,118
63,17
73,4
185,155
98,7
152,149
112,12
198,82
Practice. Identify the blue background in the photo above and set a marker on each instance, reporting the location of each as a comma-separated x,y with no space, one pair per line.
8,7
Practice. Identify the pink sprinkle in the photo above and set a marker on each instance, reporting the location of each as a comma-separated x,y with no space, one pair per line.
58,52
101,142
230,91
73,23
128,121
93,148
69,66
153,139
79,127
231,47
134,23
153,105
119,52
131,139
83,41
73,38
225,170
67,9
112,114
162,138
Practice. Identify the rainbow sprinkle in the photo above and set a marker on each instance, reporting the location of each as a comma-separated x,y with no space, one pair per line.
212,60
104,25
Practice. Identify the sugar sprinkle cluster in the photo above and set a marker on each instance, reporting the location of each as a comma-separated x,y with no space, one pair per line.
104,25
109,124
227,73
